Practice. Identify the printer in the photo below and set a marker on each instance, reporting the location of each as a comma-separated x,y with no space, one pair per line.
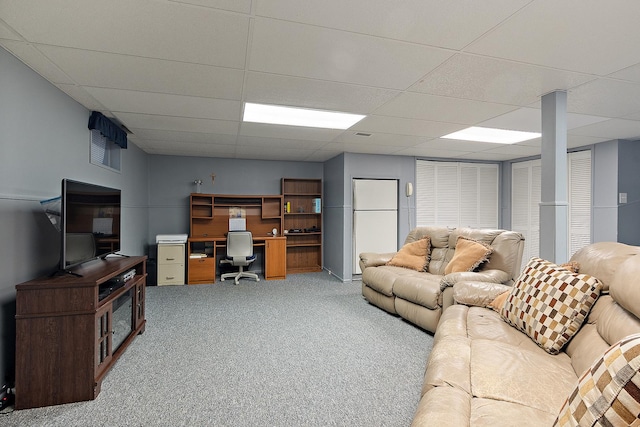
164,239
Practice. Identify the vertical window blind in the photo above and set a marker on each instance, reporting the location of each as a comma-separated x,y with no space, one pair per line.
526,196
455,194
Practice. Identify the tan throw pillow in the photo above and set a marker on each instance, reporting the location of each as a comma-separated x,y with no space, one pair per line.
607,394
572,266
414,255
549,303
498,302
468,255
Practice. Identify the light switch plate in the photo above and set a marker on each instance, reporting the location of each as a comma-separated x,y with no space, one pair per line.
622,198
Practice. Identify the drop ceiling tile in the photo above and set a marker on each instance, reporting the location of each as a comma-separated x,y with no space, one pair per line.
266,153
160,29
31,56
631,74
605,97
82,97
611,129
514,150
522,119
359,148
7,33
288,132
429,152
190,137
277,144
419,21
439,108
166,104
310,93
530,120
183,124
325,54
599,40
322,155
387,139
493,80
195,150
241,6
108,70
456,145
398,125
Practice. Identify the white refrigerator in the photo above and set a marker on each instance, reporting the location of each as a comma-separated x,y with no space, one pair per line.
375,217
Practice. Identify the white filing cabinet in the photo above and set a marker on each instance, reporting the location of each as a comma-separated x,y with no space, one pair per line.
171,258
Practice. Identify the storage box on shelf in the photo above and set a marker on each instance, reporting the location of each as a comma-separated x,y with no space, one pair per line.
303,223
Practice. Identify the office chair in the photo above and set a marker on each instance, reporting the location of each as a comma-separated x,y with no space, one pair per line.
239,254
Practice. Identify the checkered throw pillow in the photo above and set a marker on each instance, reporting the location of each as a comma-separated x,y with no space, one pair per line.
549,303
608,393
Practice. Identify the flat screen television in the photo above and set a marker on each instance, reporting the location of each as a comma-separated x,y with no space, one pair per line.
90,222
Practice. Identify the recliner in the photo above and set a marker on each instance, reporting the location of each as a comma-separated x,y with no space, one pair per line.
239,254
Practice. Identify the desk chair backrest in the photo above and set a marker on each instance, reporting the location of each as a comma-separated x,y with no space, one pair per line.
239,243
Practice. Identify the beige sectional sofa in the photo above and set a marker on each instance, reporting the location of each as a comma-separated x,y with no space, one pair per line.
484,372
421,296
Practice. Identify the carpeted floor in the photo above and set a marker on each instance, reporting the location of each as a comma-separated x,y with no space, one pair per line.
305,351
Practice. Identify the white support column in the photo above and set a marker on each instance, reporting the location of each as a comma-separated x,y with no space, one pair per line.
554,205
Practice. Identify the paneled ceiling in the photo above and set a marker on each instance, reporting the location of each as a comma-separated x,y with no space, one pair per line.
177,73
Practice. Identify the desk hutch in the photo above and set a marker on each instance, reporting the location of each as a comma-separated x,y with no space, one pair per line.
209,223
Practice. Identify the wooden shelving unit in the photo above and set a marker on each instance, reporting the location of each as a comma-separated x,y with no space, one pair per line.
303,224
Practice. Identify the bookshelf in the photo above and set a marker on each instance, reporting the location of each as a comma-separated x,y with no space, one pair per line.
303,223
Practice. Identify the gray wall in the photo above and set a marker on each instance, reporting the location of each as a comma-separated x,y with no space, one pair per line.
605,192
629,182
334,216
44,138
172,179
352,166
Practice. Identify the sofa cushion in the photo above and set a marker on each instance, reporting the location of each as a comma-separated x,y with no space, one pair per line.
419,288
549,303
414,255
528,377
608,393
468,255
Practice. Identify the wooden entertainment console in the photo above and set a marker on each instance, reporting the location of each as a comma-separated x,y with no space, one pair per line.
71,330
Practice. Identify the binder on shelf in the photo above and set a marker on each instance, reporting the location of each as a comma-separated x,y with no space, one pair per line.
317,205
288,206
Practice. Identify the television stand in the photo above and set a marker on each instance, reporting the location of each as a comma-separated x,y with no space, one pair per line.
112,255
71,330
61,272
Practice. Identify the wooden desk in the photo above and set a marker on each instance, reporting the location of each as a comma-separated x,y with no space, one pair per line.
203,270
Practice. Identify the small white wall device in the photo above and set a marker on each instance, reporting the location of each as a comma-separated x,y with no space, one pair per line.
409,189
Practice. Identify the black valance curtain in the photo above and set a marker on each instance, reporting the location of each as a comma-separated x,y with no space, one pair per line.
108,129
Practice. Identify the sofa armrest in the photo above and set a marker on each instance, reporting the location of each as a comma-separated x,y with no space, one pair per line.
491,276
479,294
372,259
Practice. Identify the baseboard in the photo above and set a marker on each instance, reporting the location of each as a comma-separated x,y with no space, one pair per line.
343,280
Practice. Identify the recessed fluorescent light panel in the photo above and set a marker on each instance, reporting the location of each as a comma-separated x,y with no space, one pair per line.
498,136
291,116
